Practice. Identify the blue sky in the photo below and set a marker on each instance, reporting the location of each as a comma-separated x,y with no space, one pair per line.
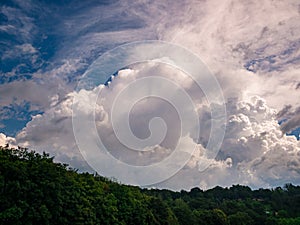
46,47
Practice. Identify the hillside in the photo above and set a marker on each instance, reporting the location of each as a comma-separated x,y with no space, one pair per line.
35,190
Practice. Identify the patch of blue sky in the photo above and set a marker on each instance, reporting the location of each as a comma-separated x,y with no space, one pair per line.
8,78
11,127
282,121
14,117
15,64
14,69
296,133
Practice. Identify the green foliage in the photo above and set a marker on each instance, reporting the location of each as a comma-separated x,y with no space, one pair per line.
240,218
35,190
289,221
211,217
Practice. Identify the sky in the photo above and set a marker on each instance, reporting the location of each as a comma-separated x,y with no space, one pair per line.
251,49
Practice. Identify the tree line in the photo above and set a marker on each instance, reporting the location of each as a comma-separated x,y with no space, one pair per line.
36,190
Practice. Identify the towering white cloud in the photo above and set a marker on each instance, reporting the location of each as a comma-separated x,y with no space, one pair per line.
252,48
254,152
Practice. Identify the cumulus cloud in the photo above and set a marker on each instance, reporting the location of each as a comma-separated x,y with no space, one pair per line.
4,140
255,152
252,48
52,132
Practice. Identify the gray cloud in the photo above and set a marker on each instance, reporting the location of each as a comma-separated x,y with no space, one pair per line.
291,118
283,112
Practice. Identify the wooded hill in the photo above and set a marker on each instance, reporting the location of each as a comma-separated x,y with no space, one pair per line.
35,190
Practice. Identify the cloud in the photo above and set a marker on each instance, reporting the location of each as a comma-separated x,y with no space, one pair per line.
227,36
7,140
52,132
212,30
18,24
38,92
284,111
19,50
253,53
29,91
255,152
290,118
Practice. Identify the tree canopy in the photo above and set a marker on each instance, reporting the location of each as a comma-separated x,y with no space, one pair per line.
36,190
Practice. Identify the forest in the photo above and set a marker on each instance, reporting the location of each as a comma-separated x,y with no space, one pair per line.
36,190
